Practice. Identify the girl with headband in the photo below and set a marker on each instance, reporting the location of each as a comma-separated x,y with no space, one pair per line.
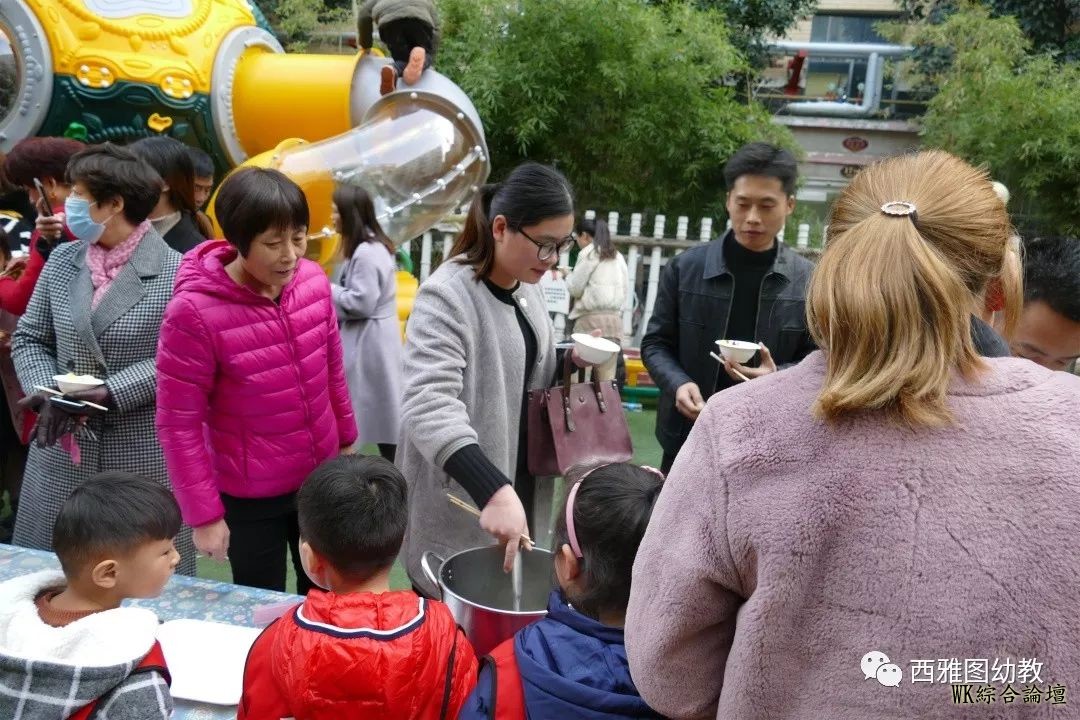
572,664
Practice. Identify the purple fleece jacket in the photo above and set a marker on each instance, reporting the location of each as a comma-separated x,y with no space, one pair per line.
783,549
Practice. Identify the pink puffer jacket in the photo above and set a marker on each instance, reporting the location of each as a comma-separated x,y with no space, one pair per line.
251,394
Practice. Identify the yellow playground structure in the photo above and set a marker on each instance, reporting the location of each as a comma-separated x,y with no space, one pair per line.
211,74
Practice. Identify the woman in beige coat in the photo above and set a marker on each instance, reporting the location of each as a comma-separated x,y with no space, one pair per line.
598,286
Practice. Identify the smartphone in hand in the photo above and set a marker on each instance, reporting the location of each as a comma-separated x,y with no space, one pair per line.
72,407
43,200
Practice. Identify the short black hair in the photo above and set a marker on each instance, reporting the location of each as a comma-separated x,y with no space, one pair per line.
1052,274
253,200
112,512
611,511
110,171
760,158
201,160
353,510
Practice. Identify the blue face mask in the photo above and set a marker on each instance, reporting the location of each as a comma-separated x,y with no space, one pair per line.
78,220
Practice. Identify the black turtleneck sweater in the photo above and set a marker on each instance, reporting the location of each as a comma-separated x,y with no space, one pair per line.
749,269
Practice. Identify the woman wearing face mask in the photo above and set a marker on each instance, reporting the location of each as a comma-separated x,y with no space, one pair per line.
478,339
251,380
96,310
175,216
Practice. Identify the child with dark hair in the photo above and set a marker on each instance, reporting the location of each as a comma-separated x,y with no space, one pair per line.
354,648
409,28
67,647
251,392
204,183
572,664
204,175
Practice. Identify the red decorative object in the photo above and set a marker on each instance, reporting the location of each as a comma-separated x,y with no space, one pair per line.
856,144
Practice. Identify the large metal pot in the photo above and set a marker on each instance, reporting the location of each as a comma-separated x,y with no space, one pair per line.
481,595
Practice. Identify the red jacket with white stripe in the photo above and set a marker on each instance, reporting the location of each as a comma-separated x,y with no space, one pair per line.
375,656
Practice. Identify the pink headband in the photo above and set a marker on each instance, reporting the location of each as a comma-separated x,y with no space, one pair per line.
571,535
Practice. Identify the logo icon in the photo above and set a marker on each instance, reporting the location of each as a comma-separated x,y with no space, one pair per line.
875,664
856,143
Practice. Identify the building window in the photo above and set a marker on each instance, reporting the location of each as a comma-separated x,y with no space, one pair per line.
841,78
847,28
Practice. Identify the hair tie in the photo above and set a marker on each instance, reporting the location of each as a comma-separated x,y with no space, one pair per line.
571,534
900,208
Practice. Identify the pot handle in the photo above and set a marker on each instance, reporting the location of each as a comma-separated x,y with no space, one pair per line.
425,565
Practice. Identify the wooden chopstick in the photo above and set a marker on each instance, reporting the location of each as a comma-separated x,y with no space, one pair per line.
102,408
455,500
721,361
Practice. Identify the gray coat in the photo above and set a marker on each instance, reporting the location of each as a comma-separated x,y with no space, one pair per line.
366,304
116,341
464,374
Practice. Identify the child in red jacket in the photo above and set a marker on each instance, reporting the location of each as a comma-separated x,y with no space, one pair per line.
357,649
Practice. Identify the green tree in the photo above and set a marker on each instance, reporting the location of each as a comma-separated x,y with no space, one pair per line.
632,101
753,23
1017,113
1050,25
295,20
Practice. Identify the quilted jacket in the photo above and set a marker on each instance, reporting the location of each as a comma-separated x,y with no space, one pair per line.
387,656
251,392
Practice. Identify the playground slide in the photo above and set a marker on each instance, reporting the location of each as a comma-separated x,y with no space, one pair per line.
209,73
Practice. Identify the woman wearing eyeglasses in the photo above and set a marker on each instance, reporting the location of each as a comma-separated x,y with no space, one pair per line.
478,340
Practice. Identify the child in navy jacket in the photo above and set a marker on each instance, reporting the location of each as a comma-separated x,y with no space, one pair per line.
572,664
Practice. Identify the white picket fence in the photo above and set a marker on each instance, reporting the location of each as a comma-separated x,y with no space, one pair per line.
645,256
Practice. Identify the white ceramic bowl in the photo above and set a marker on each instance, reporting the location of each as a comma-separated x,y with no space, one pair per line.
594,350
69,383
737,351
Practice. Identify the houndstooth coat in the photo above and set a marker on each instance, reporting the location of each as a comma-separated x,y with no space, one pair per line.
116,341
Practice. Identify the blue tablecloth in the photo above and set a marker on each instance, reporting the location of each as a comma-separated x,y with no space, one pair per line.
183,597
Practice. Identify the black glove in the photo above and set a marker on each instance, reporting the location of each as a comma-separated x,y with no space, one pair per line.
52,423
45,246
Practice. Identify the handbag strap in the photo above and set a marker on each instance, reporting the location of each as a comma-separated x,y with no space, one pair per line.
568,371
597,385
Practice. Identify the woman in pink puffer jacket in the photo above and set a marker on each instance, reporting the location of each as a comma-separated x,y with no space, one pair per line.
251,384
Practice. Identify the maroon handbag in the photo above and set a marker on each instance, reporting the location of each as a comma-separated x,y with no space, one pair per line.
578,424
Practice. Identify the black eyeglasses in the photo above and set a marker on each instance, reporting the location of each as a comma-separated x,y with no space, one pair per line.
545,250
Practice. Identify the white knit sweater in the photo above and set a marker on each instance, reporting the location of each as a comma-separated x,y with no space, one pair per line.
597,285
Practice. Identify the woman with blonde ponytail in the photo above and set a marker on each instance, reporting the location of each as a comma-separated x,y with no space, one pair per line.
828,527
911,249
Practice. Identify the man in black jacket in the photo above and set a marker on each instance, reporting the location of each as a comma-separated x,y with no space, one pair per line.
743,286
